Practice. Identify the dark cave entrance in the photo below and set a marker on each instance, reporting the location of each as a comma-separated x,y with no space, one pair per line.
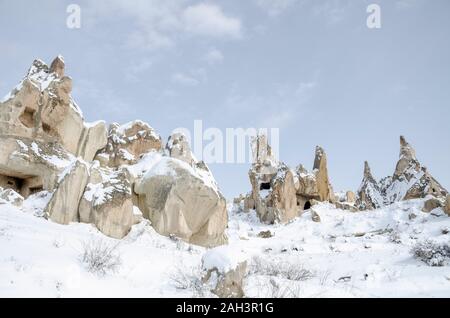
307,205
264,186
24,186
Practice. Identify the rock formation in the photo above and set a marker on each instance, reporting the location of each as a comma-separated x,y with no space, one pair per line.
127,143
225,271
63,205
183,200
410,181
369,192
280,193
41,109
47,146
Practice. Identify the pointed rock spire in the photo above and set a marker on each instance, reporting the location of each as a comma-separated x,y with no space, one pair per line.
321,171
369,194
367,172
58,66
406,150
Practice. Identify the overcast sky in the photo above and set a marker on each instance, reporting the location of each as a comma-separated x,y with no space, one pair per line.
311,68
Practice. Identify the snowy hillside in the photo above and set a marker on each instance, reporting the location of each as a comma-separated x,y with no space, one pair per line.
365,254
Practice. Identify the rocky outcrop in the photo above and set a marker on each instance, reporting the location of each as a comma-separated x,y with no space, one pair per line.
279,194
41,108
320,170
63,205
273,194
369,193
410,180
107,202
46,145
183,200
127,143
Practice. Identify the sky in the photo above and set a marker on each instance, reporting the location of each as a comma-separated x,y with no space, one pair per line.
311,68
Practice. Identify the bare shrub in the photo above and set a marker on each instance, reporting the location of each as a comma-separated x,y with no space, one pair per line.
189,279
432,253
395,237
286,270
100,257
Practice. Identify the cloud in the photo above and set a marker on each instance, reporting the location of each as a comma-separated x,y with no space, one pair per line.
184,79
275,7
208,19
214,56
158,24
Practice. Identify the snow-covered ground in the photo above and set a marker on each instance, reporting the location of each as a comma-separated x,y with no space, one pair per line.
364,254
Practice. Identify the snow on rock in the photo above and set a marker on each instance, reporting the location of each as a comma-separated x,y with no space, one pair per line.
223,258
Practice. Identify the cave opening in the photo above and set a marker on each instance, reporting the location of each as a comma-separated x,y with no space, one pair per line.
264,186
307,205
25,186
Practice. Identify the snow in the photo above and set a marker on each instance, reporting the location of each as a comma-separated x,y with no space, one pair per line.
121,130
364,254
223,258
58,162
144,164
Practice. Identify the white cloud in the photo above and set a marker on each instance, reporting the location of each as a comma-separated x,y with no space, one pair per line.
275,7
184,79
160,23
214,56
208,19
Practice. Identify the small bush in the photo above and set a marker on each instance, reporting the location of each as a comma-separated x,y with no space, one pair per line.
189,279
100,257
432,253
289,271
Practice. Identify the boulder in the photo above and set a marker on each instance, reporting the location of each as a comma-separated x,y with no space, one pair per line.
431,204
127,143
183,201
107,202
63,205
225,272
